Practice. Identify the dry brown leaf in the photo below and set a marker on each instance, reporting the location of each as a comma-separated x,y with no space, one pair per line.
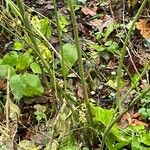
100,24
144,26
89,11
123,123
3,85
136,122
131,119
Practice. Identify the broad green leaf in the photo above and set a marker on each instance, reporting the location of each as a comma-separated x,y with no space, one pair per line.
136,145
26,85
108,31
100,116
31,79
1,61
11,58
145,138
17,86
4,71
35,68
45,27
33,85
18,45
113,143
24,61
70,55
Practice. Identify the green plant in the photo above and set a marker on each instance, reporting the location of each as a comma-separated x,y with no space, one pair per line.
138,136
115,140
40,112
31,58
145,107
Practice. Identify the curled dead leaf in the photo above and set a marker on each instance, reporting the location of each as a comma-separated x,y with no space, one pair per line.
131,119
144,26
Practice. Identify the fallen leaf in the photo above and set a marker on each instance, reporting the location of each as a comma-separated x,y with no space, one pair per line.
89,10
3,85
131,119
100,24
144,26
136,122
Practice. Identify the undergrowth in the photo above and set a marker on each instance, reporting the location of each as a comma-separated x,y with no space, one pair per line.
32,66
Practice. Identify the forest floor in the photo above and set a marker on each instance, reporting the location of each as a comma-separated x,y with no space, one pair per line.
102,28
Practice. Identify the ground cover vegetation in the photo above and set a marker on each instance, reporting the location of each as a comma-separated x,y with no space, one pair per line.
74,75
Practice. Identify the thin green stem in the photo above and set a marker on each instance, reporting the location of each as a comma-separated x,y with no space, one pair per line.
60,43
138,79
123,52
80,61
81,71
119,100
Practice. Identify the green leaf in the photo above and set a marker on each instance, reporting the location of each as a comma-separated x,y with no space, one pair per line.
35,68
63,22
11,58
4,71
143,113
24,61
26,85
45,27
145,138
70,55
46,53
134,79
108,31
17,86
104,116
112,47
18,46
33,85
97,47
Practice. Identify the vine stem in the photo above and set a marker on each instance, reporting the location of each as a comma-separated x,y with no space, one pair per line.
90,134
63,65
118,96
123,52
80,61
